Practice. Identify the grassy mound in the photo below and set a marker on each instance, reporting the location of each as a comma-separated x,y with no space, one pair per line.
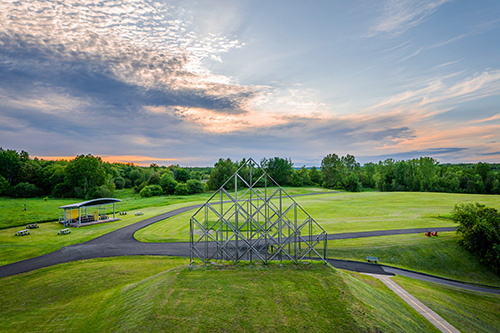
152,293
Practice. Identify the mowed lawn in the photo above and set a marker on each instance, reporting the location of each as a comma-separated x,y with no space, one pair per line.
163,294
350,212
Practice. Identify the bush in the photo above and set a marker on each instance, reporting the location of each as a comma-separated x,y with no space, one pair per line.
4,185
479,229
151,191
103,191
25,190
181,189
195,186
168,183
119,182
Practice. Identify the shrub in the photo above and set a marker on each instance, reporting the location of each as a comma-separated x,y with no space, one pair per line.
195,186
119,182
103,191
168,183
479,229
4,185
181,189
25,190
151,191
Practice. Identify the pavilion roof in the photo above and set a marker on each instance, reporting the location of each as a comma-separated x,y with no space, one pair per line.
93,202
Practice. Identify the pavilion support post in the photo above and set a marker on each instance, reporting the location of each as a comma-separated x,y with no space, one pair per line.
113,210
79,215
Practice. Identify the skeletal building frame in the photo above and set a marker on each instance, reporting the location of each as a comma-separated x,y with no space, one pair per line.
256,220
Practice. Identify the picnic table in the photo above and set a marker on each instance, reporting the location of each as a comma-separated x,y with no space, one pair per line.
22,232
64,231
32,226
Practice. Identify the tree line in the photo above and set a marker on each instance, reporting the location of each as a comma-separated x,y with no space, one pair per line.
87,176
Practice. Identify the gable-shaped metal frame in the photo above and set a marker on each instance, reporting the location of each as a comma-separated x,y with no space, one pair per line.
256,221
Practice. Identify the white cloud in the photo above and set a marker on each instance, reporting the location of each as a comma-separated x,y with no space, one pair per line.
436,91
401,15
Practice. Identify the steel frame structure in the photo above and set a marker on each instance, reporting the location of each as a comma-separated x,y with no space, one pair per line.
254,221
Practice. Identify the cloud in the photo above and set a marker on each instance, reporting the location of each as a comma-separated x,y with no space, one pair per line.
436,91
401,15
137,43
433,152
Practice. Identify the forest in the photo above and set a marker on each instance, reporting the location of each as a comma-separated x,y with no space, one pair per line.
87,176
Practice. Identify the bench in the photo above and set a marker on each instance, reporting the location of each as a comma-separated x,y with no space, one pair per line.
123,213
64,231
32,226
371,259
22,232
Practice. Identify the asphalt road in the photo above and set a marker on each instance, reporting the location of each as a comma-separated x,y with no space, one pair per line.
121,242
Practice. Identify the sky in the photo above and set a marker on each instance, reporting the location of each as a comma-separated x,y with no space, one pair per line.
189,82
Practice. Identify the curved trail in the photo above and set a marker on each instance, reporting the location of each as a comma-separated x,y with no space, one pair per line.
121,242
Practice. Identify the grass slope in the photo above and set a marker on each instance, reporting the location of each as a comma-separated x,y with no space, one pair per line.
468,311
156,294
441,255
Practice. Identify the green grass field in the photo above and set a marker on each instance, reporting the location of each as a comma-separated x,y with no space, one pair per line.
350,212
159,294
468,311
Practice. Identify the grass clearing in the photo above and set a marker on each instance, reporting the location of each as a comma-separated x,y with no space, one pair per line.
468,311
159,293
441,255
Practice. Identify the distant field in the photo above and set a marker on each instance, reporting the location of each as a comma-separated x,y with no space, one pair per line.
156,294
441,255
12,212
350,212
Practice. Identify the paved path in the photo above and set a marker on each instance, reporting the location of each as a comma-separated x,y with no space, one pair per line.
421,308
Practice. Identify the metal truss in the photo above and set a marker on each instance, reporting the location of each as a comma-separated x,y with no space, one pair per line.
256,220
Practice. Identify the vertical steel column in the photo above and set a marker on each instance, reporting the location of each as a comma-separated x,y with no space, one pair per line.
266,219
206,231
236,215
249,210
191,240
280,221
295,234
